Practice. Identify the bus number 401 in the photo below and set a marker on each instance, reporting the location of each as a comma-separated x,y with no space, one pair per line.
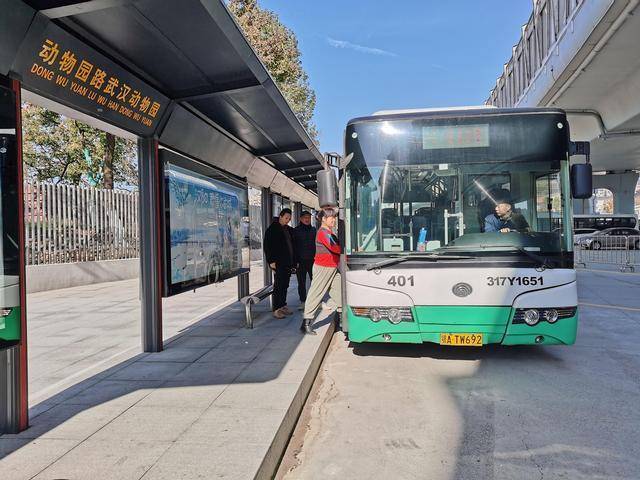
400,281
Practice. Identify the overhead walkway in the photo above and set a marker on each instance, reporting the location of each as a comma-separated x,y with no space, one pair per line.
582,56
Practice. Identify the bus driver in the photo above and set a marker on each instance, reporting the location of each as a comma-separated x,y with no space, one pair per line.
505,219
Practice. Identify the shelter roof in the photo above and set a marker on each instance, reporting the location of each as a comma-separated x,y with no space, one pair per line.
194,54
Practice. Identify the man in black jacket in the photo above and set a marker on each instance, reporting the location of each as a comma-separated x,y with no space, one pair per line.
304,248
278,248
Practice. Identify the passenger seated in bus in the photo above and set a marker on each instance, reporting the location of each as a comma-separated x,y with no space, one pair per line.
505,219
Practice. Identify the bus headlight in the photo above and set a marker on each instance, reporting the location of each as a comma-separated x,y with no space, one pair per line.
394,316
550,315
531,317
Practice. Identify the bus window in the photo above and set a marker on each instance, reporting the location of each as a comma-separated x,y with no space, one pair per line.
548,203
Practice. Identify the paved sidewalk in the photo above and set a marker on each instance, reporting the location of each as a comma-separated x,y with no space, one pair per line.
75,333
219,402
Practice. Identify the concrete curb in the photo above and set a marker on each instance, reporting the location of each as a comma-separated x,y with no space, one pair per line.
271,462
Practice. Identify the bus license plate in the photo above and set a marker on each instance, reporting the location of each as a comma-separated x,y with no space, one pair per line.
461,339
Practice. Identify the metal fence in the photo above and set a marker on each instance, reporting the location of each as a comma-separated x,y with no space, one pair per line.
618,251
65,223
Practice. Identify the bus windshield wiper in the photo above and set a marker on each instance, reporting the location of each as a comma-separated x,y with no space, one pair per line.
543,262
428,258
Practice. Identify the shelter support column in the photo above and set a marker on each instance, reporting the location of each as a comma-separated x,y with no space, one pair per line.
151,190
14,406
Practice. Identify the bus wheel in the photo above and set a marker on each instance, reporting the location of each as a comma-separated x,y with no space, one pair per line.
596,246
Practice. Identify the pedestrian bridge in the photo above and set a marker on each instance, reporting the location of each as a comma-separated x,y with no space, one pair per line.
582,56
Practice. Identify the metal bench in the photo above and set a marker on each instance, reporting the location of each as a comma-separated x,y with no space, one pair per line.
252,299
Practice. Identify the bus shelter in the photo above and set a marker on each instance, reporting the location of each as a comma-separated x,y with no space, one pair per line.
181,78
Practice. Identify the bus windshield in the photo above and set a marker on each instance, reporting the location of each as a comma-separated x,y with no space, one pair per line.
416,186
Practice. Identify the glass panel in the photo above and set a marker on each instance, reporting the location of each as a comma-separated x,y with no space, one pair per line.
276,205
207,228
256,277
549,203
9,223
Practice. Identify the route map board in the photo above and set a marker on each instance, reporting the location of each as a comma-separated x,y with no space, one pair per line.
207,228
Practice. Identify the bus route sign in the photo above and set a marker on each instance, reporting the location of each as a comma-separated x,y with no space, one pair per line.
455,136
55,64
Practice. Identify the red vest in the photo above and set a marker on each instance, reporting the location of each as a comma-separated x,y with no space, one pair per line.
327,249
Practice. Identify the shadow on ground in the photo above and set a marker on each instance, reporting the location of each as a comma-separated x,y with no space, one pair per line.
195,370
443,352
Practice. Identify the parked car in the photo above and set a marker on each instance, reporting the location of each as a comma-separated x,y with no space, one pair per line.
580,233
612,238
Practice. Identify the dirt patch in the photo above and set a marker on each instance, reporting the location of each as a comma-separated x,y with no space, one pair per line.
321,392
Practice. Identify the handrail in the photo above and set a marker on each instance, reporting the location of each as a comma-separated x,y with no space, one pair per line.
252,299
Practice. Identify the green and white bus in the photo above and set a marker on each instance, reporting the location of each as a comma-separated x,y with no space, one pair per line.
421,263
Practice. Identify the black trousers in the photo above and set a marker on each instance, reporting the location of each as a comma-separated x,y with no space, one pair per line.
280,286
305,267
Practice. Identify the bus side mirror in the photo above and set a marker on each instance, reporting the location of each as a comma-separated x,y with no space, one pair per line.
327,188
581,180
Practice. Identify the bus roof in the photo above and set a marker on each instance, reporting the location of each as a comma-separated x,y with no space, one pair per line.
429,110
484,110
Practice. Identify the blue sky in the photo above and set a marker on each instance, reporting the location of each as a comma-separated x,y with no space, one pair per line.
368,55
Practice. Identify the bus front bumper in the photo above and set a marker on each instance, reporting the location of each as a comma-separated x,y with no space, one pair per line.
494,323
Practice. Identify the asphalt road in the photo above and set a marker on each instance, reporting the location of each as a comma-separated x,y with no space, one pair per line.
430,412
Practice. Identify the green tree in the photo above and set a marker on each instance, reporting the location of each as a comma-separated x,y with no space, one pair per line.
63,150
277,47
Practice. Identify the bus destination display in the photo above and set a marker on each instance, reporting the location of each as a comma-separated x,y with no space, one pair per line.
458,136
